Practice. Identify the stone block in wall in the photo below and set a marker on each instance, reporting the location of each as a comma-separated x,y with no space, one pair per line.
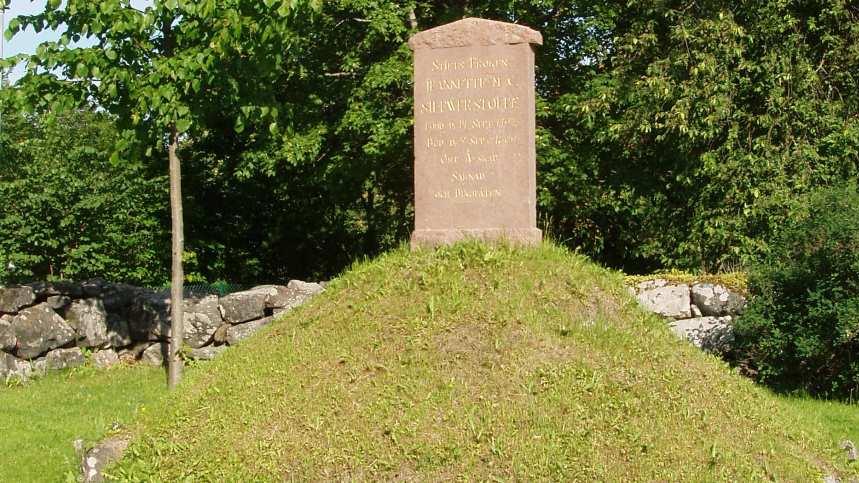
713,334
64,358
664,298
281,298
241,307
43,290
155,354
118,333
202,319
207,353
12,368
58,302
717,300
105,358
236,333
93,287
89,319
118,298
149,317
13,299
7,334
38,330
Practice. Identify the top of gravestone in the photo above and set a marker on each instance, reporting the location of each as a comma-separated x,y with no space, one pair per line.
472,32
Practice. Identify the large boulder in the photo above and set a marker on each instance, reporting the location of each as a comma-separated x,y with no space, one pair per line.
202,319
12,368
13,299
241,307
239,332
64,358
89,319
717,300
282,299
38,330
7,334
713,334
149,317
664,298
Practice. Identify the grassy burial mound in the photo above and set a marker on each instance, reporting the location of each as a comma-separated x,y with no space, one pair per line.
473,362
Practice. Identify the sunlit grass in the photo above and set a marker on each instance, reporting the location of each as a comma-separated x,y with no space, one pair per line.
475,363
40,420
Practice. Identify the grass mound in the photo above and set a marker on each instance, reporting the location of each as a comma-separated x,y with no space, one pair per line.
478,363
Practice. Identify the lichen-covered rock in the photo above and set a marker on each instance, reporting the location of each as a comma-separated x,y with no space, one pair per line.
149,317
220,336
40,366
38,330
118,298
64,358
282,299
101,456
89,319
202,319
58,302
43,290
12,368
239,332
241,307
717,300
207,353
118,333
13,299
713,334
665,299
155,354
105,358
7,334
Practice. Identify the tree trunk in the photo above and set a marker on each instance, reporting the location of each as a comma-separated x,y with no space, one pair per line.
177,288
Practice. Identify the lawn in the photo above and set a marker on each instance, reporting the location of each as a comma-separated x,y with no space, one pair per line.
41,419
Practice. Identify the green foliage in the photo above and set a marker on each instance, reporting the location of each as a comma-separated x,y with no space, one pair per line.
670,134
802,327
67,212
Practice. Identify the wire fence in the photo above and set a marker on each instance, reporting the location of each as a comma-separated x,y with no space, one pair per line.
202,289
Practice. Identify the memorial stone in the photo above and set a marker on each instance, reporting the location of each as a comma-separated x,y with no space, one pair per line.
475,158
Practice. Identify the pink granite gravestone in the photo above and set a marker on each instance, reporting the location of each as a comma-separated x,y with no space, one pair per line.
475,169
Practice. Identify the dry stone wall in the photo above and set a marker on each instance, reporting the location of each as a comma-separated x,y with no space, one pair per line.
52,325
702,313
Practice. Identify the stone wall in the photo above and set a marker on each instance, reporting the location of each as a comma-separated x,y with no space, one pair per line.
701,313
53,325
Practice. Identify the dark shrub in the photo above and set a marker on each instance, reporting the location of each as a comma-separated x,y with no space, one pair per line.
801,331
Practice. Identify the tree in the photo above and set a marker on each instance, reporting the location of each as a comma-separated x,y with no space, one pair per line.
71,212
159,71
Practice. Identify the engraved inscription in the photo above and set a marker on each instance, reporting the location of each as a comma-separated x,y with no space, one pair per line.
485,123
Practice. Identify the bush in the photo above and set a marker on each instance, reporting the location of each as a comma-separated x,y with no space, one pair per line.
802,328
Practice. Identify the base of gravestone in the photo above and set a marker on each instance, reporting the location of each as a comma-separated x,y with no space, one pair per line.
514,236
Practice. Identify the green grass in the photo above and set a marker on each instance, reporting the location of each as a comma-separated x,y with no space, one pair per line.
475,363
834,420
41,419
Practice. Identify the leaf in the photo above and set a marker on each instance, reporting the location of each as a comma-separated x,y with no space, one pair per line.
182,125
